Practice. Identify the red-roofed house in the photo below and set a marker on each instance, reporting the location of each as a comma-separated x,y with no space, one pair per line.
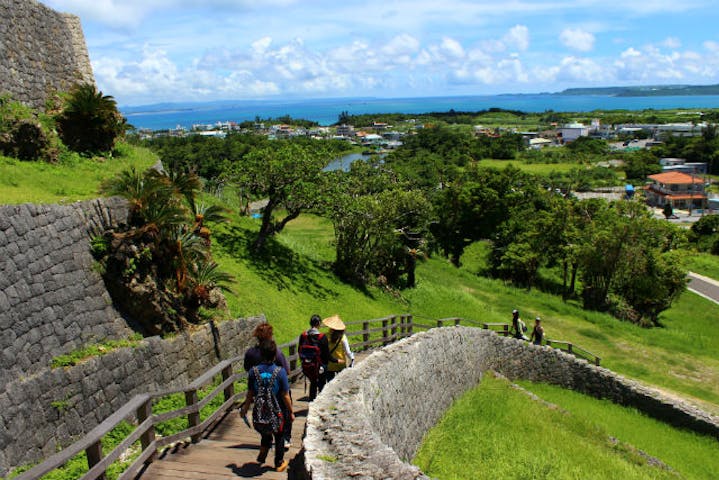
678,189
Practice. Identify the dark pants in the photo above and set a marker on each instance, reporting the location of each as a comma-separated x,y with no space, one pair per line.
317,385
266,442
287,425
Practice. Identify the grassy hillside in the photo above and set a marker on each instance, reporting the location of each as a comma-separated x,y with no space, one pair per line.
294,280
69,181
497,432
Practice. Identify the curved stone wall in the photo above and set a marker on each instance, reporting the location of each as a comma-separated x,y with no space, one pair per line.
51,300
56,407
41,51
369,421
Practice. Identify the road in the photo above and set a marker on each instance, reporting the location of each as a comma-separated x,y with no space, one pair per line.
704,286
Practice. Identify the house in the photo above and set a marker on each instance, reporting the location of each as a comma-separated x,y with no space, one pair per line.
573,131
347,131
678,189
681,165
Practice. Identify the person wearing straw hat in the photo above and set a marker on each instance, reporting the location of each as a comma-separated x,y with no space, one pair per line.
340,354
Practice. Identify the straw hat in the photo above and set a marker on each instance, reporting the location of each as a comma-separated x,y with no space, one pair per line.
334,322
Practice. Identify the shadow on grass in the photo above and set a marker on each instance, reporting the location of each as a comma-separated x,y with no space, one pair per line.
276,264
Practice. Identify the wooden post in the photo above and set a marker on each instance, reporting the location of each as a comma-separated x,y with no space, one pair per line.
457,321
365,334
569,347
440,323
597,360
229,391
549,343
394,328
293,354
505,330
143,413
410,328
401,326
384,331
193,419
94,456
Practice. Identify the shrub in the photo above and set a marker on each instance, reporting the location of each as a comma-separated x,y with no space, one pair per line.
90,122
26,134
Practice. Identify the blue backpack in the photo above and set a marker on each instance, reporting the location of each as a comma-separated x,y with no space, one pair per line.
266,413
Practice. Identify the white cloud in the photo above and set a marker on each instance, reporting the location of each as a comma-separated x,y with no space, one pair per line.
577,39
518,36
672,42
451,48
403,44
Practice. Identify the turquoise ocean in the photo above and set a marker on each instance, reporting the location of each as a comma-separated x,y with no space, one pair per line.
326,111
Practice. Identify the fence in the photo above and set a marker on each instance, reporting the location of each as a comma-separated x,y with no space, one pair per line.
221,379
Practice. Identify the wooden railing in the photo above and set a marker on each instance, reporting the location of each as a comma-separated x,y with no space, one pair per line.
575,350
222,378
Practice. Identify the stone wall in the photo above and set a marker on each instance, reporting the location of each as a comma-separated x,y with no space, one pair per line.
51,299
56,407
41,51
369,422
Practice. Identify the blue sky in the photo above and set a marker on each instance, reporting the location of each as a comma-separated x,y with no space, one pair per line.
149,51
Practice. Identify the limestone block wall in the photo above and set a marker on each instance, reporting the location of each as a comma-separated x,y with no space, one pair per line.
51,299
56,407
369,421
41,51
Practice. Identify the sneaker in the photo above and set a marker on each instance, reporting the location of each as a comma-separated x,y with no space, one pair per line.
288,444
282,466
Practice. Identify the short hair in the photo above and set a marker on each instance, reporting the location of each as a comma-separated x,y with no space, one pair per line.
263,331
315,320
268,350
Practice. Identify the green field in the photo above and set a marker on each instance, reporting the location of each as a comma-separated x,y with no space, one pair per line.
497,432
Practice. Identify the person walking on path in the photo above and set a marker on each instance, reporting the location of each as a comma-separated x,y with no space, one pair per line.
253,357
537,332
314,352
518,326
267,386
340,354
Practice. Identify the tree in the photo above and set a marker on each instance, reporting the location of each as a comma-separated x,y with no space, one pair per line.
380,226
628,263
90,122
286,174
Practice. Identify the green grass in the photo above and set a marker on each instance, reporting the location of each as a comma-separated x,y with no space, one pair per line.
496,432
70,181
93,350
704,264
533,168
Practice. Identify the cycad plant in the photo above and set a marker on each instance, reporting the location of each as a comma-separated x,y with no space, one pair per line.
163,256
90,121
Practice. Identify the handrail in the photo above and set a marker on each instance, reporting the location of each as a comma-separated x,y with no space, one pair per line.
141,407
390,329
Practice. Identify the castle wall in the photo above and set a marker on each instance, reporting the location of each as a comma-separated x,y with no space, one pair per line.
41,51
52,301
369,422
54,408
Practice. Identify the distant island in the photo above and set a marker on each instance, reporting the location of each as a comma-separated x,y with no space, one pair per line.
645,91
